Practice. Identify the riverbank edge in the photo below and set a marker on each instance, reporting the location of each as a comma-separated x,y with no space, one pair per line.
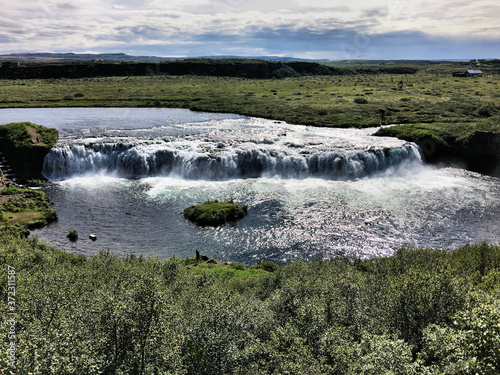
24,146
477,151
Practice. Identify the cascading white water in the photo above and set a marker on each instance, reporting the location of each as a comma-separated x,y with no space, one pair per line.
202,159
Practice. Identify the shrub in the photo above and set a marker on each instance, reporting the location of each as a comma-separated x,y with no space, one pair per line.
72,235
360,101
484,112
470,346
239,266
269,266
11,191
384,355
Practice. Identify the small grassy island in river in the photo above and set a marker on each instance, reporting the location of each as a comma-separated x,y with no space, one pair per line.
213,213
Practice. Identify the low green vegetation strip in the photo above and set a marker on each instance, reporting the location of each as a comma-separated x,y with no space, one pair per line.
417,312
214,213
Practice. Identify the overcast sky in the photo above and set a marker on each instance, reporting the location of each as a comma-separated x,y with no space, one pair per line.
316,29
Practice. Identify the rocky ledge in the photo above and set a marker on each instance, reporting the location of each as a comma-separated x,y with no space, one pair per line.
478,152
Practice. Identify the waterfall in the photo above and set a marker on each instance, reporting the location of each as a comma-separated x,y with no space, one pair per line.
210,160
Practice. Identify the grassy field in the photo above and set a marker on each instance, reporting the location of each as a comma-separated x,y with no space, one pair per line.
356,100
22,208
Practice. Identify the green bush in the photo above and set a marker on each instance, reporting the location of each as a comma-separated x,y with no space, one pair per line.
239,266
471,345
360,101
416,312
72,235
269,266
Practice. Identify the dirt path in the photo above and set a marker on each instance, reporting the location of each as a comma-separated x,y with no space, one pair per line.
21,217
36,138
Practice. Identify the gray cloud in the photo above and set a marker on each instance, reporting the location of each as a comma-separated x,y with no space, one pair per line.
192,27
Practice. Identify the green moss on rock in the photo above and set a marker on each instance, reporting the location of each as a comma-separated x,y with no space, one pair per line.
214,213
25,146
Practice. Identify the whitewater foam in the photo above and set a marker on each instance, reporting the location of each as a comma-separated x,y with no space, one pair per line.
209,158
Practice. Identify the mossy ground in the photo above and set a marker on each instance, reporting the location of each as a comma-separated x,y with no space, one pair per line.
439,131
430,96
22,208
213,213
27,134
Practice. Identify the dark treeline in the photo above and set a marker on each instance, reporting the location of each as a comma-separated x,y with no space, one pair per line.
259,69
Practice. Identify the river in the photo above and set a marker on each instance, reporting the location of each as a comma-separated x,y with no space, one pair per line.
126,174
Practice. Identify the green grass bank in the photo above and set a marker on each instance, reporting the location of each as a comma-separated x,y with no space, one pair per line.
25,145
22,209
310,100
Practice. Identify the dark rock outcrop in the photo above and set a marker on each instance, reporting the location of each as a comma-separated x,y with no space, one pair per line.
26,155
481,151
259,69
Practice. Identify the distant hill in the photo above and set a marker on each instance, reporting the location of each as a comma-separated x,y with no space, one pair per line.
57,57
119,57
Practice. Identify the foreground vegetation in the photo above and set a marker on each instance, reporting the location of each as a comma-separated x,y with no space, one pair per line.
417,312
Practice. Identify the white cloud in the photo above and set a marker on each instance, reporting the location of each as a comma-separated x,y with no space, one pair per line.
90,24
